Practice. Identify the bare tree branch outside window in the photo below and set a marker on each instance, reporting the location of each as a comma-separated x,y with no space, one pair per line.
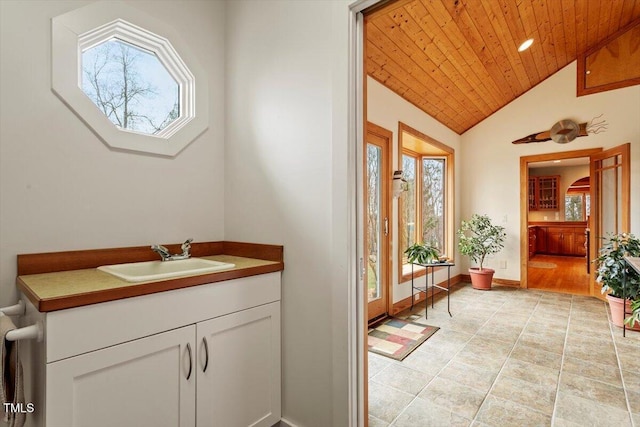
130,86
433,201
573,207
374,165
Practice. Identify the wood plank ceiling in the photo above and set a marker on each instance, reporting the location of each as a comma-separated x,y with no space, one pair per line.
458,60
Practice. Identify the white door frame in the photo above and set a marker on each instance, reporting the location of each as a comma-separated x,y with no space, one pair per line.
356,296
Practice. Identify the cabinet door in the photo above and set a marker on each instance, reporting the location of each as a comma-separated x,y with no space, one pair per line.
554,241
533,193
239,369
581,242
568,244
541,240
548,187
532,241
138,383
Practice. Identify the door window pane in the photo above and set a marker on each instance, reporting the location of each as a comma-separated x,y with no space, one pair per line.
374,225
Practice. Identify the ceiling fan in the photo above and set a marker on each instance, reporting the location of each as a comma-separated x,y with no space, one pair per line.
566,131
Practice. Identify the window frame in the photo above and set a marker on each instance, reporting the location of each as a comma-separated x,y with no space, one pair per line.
430,148
583,205
418,191
122,32
89,26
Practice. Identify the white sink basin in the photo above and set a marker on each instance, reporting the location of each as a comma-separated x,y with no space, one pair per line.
156,270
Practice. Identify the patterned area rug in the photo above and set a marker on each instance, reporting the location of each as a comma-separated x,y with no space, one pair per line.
397,338
541,264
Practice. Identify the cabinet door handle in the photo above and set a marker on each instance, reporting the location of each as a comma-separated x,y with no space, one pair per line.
206,354
190,360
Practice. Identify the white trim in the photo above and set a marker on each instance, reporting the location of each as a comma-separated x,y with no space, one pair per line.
356,366
88,26
164,51
355,181
286,423
356,212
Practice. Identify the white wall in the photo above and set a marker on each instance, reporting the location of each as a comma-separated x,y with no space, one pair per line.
61,188
385,108
491,164
285,177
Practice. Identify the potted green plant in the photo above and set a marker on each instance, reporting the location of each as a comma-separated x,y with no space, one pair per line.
479,238
633,321
422,253
614,273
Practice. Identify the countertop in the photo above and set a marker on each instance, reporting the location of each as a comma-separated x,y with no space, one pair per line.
57,290
580,224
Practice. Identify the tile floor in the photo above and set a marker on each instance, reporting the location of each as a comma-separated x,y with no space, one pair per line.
511,357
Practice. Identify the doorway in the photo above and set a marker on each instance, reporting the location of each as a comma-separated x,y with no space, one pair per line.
558,214
377,181
608,211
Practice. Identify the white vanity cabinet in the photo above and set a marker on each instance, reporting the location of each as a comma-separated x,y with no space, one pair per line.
147,382
239,387
206,356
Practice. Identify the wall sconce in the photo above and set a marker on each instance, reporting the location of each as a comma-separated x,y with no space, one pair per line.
399,184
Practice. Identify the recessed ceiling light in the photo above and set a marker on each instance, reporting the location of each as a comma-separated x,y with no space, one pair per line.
524,46
557,161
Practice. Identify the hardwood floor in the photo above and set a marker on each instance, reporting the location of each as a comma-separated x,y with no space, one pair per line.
564,274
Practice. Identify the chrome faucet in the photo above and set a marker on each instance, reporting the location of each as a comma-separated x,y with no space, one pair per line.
165,255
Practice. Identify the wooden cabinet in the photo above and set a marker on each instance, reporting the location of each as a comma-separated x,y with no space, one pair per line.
532,241
544,193
560,239
554,241
206,355
541,239
581,243
533,205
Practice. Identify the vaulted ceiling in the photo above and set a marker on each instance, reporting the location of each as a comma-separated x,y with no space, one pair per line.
458,60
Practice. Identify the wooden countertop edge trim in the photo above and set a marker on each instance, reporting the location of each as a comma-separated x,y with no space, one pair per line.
53,262
254,250
557,224
54,304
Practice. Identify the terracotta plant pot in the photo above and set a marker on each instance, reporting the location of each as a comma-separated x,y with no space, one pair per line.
617,312
481,279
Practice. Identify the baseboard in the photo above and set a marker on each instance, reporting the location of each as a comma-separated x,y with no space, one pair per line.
404,304
505,282
285,423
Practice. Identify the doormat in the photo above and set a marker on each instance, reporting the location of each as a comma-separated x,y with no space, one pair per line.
541,264
397,338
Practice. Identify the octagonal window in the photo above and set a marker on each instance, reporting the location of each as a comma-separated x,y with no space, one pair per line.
117,70
130,86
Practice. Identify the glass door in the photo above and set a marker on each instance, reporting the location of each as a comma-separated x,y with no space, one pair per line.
611,193
377,224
